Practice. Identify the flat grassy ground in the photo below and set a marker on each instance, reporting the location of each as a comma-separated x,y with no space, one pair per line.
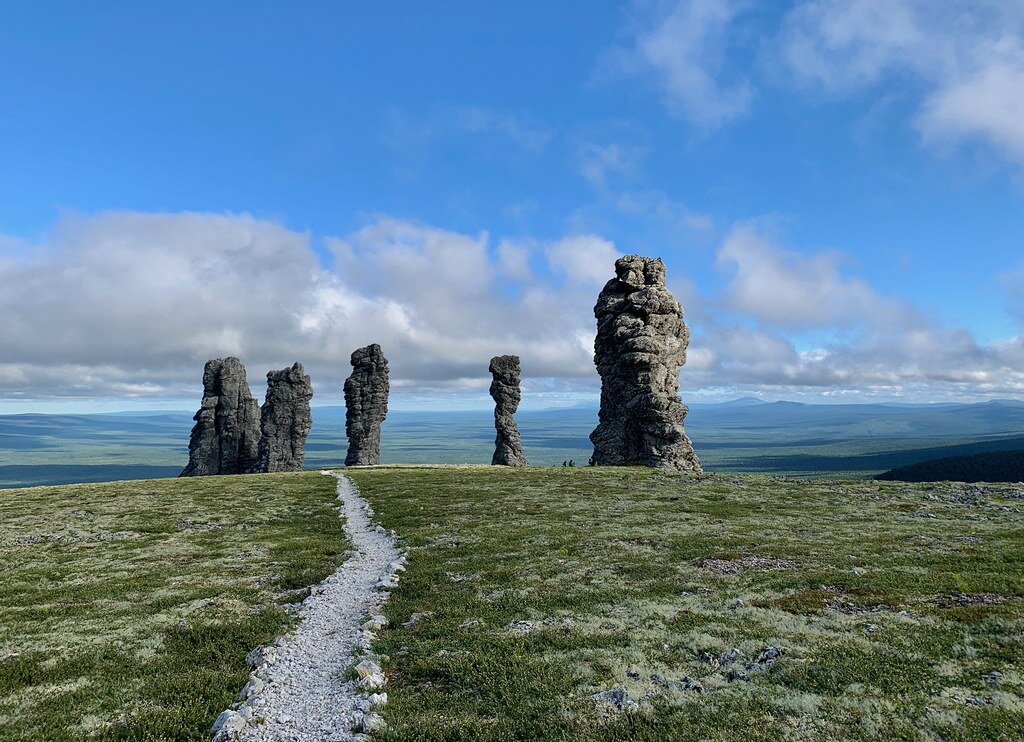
890,604
127,609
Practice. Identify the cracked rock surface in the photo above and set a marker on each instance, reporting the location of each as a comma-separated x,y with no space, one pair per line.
226,435
640,347
366,405
508,446
285,420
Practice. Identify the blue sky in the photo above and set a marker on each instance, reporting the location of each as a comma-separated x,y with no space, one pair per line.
836,188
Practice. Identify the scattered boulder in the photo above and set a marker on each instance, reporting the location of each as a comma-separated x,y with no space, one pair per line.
366,405
640,347
285,420
617,698
508,447
225,438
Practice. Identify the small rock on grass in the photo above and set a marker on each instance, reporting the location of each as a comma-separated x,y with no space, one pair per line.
617,697
522,627
415,619
373,723
373,682
254,686
686,684
730,656
366,668
228,723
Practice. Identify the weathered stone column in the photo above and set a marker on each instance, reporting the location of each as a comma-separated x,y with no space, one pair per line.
225,437
366,405
285,420
508,447
640,347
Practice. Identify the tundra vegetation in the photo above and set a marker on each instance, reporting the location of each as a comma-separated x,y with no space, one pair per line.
699,606
127,609
570,603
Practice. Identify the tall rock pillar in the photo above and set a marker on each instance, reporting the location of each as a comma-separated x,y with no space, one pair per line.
640,347
225,437
366,405
508,447
285,420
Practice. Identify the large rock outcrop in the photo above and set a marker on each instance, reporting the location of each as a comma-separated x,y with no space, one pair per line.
640,347
508,447
225,437
285,420
366,405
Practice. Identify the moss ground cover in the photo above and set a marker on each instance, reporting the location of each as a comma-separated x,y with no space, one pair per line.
127,609
723,606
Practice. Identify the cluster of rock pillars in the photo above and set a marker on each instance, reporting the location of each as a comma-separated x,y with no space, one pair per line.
640,348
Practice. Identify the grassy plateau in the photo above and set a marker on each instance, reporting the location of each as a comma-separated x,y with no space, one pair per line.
724,606
127,609
540,603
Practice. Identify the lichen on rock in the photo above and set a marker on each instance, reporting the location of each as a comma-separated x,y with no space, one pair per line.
640,348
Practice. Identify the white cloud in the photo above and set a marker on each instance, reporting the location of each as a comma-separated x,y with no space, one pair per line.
131,305
584,259
795,290
988,105
960,62
962,59
686,51
514,260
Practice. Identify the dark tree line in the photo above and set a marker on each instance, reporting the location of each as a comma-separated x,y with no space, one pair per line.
996,466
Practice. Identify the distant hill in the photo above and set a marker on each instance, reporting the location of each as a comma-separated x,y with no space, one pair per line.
994,466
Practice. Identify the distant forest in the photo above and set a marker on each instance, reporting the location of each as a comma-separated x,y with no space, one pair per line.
995,466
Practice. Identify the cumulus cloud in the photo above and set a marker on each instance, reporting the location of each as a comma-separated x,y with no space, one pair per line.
791,322
685,49
584,259
130,305
797,290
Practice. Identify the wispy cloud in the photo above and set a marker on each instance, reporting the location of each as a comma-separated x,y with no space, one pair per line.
959,62
445,125
684,49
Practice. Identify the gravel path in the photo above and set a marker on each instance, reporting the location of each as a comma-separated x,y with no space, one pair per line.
300,690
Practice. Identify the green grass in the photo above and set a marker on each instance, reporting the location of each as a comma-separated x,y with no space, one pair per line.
127,609
854,581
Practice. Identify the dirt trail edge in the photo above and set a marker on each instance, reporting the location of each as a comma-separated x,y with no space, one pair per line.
301,687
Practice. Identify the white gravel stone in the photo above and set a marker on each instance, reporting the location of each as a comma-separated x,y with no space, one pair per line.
307,695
